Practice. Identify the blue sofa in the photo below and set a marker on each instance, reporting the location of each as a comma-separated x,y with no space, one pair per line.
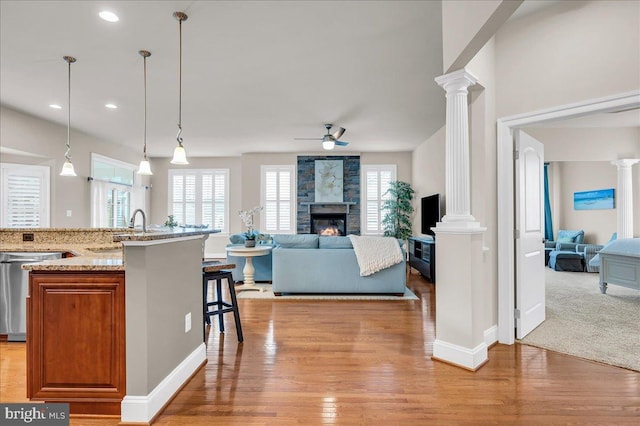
316,264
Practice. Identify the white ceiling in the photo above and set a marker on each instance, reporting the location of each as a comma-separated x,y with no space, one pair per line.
255,74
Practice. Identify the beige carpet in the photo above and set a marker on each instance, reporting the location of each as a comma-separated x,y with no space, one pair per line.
268,294
583,322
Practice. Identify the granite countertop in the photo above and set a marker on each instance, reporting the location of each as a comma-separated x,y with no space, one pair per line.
93,256
162,234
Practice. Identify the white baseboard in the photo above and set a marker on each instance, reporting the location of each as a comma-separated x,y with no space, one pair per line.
471,359
491,335
142,409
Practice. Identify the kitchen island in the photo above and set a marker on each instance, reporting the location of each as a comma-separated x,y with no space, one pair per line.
109,329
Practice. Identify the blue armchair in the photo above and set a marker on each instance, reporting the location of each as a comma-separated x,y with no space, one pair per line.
567,241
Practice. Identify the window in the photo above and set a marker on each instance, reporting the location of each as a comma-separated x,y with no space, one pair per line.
25,196
115,192
375,180
277,185
200,197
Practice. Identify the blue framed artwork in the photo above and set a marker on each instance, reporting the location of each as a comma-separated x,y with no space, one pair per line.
598,199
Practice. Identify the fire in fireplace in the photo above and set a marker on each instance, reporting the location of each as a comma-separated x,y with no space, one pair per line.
331,224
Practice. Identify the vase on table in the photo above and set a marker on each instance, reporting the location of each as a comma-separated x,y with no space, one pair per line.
250,243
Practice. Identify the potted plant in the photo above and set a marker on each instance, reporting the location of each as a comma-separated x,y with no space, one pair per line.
250,234
170,222
398,210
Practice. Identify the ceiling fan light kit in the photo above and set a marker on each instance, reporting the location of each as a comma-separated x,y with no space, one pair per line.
329,141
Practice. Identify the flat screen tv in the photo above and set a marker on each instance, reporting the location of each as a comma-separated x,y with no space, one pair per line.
430,213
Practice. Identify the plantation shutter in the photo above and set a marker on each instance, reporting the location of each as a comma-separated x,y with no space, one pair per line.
25,194
277,199
376,183
199,197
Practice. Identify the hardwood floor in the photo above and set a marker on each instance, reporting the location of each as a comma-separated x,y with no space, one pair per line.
369,363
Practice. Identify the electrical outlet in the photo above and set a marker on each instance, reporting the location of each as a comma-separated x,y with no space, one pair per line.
69,212
187,322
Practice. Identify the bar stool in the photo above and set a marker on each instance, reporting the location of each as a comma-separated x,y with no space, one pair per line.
218,271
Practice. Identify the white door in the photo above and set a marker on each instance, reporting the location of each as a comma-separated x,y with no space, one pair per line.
529,235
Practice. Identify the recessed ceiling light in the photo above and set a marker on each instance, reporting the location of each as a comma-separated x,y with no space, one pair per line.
109,16
55,106
111,106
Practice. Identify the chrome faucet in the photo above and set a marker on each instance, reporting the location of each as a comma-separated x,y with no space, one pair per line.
144,220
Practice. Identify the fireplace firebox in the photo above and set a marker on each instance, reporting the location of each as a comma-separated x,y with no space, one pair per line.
331,224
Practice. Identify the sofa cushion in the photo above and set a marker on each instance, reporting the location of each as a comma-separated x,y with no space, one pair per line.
335,243
304,241
566,236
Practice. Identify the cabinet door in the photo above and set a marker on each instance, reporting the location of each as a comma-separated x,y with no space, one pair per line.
76,340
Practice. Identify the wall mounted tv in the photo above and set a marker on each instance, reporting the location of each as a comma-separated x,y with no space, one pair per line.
430,213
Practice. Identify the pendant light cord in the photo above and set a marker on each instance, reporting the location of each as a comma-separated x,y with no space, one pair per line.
67,154
178,137
144,147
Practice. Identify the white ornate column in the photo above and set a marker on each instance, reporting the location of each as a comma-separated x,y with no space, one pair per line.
457,181
461,308
624,202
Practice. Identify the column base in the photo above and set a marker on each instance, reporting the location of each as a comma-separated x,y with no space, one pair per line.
468,358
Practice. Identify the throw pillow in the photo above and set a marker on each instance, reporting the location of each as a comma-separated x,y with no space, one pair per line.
237,239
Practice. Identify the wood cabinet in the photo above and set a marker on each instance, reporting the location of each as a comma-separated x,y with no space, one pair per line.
76,340
422,256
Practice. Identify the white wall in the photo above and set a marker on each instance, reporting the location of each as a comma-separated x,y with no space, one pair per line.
568,52
576,176
428,173
588,143
46,141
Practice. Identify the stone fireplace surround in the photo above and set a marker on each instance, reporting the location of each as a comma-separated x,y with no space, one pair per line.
306,193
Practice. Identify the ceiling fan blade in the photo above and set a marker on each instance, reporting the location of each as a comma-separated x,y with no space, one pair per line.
342,143
339,133
307,139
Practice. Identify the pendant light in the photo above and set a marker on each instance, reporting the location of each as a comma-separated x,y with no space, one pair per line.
145,167
67,167
179,154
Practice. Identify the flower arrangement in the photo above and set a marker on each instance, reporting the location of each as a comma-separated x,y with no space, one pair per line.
247,218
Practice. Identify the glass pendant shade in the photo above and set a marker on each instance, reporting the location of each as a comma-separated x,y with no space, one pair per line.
144,168
179,156
67,169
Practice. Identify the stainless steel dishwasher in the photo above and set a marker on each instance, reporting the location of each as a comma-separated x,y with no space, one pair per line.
14,288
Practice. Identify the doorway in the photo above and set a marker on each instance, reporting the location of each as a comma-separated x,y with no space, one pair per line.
506,194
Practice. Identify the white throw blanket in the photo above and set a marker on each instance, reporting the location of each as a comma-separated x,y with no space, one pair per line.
375,253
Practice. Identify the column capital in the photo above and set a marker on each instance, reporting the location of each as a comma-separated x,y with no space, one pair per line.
625,162
457,81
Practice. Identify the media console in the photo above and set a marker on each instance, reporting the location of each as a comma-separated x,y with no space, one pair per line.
422,256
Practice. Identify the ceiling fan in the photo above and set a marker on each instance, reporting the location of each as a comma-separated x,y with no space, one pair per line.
329,141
